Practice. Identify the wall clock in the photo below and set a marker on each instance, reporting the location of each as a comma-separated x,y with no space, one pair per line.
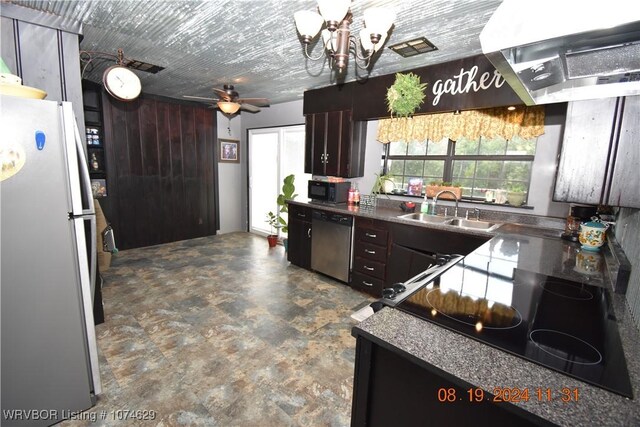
121,83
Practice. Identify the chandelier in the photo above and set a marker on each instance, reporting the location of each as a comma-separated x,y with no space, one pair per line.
336,37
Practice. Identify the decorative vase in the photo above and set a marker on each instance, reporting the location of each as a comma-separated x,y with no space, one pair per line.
273,240
285,242
592,235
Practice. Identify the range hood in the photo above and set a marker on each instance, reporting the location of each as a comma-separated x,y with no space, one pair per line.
565,50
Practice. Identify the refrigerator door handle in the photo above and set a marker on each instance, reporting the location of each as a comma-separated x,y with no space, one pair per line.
93,257
85,183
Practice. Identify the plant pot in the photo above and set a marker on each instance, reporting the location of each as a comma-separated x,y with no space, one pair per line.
273,240
515,198
432,190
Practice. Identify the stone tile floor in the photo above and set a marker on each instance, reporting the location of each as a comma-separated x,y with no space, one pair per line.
223,331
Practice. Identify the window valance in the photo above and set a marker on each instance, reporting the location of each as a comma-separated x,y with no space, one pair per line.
526,122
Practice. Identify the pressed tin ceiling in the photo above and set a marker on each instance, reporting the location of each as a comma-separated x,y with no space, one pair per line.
254,44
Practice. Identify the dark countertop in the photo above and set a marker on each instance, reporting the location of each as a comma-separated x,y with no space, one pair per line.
533,248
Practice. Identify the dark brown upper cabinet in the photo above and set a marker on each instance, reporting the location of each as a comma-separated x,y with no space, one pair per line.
335,145
600,154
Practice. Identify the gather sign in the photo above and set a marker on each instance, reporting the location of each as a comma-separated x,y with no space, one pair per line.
465,82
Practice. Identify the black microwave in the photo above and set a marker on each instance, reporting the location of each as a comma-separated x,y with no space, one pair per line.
332,192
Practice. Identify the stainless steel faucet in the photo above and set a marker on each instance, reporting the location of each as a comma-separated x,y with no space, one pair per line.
435,200
477,212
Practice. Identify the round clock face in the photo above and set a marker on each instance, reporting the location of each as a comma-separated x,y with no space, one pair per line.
121,83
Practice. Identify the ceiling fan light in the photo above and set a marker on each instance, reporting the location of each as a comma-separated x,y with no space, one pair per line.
308,23
228,107
334,10
379,20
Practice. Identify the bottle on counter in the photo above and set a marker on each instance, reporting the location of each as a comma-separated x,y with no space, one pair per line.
351,195
356,195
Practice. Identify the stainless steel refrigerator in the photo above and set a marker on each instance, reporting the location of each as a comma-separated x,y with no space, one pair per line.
49,356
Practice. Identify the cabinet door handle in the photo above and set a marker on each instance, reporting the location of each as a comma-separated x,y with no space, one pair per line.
368,268
309,232
370,252
367,284
373,236
302,215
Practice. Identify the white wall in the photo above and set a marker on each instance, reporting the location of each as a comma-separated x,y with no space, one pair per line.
230,177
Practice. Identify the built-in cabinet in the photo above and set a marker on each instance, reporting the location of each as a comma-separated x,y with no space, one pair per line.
299,252
94,137
600,153
335,144
369,256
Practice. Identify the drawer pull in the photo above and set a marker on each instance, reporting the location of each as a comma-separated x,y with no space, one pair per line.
367,284
370,251
368,268
309,233
373,236
302,215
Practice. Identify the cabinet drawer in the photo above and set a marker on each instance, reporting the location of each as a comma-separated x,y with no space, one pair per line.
299,212
368,267
370,251
368,284
371,235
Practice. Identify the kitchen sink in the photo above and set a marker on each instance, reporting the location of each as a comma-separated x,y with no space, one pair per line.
478,225
432,219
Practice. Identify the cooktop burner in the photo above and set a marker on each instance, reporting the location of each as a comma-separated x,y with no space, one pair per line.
563,325
565,347
479,313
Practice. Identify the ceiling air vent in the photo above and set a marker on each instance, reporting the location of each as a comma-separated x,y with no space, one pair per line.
413,47
144,66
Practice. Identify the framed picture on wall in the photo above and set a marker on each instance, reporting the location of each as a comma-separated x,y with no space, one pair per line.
229,150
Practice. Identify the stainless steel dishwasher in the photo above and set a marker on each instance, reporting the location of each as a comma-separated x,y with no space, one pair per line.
331,244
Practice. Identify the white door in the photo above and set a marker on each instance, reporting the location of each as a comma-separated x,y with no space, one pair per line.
274,153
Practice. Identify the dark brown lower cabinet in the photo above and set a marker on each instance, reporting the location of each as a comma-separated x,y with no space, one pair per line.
299,252
393,388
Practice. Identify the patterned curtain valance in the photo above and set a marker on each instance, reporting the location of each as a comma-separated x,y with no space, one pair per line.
527,122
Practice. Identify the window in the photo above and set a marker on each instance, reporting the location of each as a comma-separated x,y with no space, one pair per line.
477,165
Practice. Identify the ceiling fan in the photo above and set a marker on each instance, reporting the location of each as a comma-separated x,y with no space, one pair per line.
229,101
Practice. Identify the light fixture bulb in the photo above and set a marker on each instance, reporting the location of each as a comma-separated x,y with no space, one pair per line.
333,10
308,24
329,40
365,39
228,107
379,20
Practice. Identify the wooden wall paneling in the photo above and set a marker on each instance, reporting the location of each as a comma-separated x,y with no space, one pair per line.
125,212
187,118
167,217
177,179
152,209
212,173
110,203
142,229
70,47
203,177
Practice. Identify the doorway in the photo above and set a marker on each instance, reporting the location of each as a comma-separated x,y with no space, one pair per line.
274,153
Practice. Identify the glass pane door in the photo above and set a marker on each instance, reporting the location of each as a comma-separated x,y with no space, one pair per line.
274,153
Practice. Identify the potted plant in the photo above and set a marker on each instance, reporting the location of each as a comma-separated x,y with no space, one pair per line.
406,95
516,194
434,187
272,220
276,220
382,185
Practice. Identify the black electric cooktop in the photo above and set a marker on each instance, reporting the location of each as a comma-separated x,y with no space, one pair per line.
564,325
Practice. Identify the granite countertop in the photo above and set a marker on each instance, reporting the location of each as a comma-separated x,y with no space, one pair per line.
533,243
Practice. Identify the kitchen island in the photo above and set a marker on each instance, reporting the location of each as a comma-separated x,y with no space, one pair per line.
414,371
422,353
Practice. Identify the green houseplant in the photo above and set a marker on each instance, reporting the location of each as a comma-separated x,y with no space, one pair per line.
382,185
406,95
276,220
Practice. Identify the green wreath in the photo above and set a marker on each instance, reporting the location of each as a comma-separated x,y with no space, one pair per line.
406,95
